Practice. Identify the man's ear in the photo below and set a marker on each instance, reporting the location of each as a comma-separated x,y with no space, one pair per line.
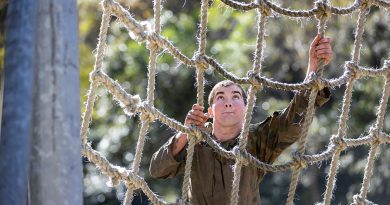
210,112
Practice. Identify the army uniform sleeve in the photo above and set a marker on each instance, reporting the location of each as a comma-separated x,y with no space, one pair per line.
282,129
164,165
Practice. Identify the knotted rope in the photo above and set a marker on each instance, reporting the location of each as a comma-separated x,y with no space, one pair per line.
262,16
132,104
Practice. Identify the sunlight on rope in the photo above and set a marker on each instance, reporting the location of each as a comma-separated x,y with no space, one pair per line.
132,104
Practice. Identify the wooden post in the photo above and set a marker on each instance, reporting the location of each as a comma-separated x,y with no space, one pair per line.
52,112
56,169
18,95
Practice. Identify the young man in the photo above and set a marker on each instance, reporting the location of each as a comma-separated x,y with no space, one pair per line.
211,174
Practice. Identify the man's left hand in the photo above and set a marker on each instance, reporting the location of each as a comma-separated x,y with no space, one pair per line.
320,49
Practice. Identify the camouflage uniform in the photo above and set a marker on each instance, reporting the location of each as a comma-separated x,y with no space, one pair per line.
212,176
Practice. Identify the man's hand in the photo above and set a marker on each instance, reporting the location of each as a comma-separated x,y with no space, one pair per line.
320,49
196,117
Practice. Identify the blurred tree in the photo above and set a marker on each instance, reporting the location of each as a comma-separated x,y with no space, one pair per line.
231,40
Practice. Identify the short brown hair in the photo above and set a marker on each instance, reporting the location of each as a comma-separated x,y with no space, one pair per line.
225,83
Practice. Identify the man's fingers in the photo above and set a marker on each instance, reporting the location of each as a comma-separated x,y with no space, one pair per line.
323,51
315,41
318,40
198,113
320,52
324,46
325,56
192,121
325,40
195,122
195,117
197,107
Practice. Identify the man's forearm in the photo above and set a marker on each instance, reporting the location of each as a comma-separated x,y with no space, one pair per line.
179,143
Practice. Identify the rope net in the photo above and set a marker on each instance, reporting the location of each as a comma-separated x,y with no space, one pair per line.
132,104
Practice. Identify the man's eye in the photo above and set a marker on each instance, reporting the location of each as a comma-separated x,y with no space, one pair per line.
236,97
219,97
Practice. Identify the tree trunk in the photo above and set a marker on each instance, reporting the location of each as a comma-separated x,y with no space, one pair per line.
41,105
55,169
18,95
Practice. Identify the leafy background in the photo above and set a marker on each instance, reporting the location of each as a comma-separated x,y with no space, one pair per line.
231,40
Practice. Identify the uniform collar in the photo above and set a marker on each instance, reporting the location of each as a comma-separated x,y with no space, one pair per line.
229,144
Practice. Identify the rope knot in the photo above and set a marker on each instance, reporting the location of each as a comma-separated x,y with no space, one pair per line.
353,69
299,160
114,180
339,142
240,156
317,81
323,10
200,62
133,104
133,181
198,136
94,76
153,41
196,133
377,137
208,127
153,45
146,116
254,79
364,4
263,8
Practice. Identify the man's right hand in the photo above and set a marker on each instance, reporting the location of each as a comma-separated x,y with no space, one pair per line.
194,117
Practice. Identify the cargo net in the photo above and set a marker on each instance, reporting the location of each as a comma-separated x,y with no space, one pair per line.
132,104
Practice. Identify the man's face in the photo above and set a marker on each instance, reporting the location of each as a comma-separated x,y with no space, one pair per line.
228,108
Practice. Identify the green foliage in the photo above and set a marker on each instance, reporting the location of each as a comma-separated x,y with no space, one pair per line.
231,40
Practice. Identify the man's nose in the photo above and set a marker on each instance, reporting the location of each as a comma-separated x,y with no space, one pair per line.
228,104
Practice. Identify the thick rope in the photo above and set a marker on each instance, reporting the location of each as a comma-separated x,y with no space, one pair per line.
86,118
324,12
150,99
200,94
187,174
358,37
262,15
137,159
374,145
298,13
383,104
301,13
322,18
133,104
346,107
119,173
340,136
301,143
